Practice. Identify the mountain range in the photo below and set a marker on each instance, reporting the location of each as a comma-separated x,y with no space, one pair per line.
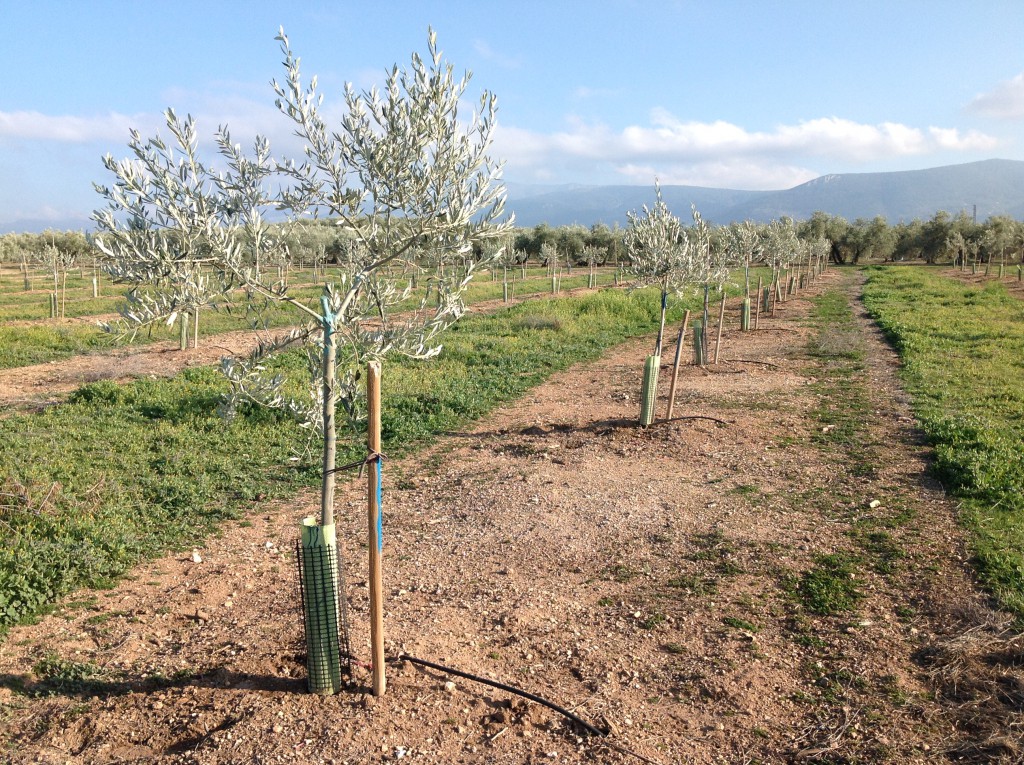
996,186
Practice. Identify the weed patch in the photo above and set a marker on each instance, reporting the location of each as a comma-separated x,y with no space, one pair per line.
961,362
829,587
121,473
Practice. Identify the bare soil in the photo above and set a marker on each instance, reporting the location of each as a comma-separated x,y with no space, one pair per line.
647,579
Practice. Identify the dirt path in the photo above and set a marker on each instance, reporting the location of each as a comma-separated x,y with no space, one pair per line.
658,582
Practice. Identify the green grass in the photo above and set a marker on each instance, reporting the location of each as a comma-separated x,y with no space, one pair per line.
120,473
963,355
43,342
829,587
740,624
37,344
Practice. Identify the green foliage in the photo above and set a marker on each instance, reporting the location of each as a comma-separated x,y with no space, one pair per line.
829,587
120,473
57,675
961,348
740,624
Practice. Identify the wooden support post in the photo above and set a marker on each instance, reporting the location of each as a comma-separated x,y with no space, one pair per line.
721,323
758,299
376,531
675,366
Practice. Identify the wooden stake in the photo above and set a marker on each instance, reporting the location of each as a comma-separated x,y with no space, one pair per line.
328,374
675,366
376,532
757,308
721,322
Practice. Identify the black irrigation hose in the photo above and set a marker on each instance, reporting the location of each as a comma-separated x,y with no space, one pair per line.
517,691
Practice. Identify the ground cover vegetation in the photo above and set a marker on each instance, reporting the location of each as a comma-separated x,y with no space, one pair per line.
961,348
122,472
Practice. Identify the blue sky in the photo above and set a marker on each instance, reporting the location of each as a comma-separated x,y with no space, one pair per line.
753,95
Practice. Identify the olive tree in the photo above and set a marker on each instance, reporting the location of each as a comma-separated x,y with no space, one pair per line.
405,176
712,263
660,254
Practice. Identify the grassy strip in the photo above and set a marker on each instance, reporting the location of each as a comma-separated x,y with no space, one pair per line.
21,346
120,473
961,347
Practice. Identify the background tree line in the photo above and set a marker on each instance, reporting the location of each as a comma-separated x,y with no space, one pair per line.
943,238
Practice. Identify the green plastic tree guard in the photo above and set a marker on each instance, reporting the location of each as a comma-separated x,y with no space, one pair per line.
318,569
766,297
699,356
745,315
649,393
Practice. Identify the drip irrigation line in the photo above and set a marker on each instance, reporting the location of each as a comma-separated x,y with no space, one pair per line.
751,361
695,417
509,688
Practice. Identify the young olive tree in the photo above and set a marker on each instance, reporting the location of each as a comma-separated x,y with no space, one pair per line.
659,253
779,246
405,176
712,265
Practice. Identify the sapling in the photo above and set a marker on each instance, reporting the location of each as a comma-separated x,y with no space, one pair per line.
405,176
660,254
779,243
592,256
711,267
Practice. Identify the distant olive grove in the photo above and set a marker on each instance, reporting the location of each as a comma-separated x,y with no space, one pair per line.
943,238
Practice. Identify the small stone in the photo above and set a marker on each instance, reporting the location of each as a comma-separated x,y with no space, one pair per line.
278,728
157,705
196,557
874,503
449,687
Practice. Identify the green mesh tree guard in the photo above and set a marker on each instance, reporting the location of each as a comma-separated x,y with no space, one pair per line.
318,579
766,297
649,392
699,356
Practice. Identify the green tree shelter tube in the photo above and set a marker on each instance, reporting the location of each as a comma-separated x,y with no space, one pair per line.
699,355
649,393
318,571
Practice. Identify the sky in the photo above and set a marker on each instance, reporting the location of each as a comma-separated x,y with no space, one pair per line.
720,93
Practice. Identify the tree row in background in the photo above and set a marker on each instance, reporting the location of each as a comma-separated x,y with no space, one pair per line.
943,238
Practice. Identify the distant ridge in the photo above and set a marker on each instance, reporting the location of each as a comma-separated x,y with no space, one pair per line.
996,186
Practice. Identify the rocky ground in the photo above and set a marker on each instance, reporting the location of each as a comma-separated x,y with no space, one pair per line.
737,585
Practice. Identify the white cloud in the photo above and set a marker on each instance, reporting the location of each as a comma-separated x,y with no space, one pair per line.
37,126
487,53
720,153
1004,101
584,92
727,173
